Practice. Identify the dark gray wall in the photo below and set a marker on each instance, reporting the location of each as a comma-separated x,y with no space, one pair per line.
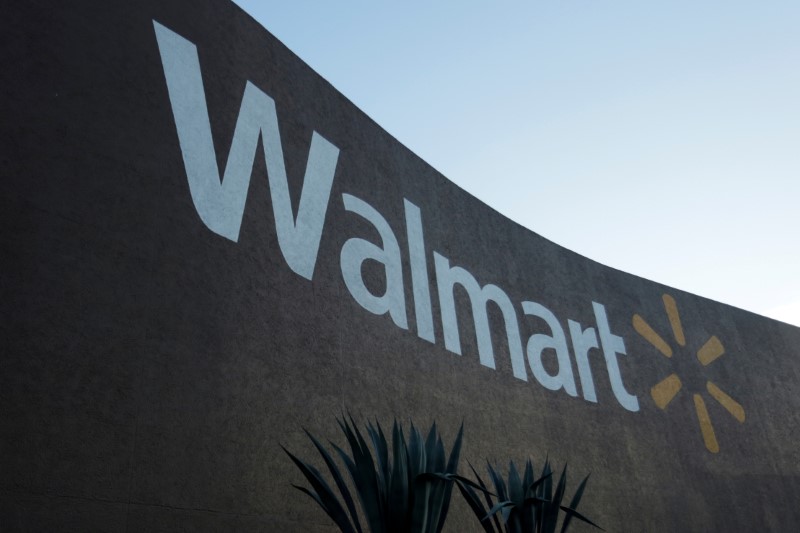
151,367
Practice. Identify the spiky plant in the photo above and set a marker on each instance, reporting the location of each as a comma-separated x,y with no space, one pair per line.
407,491
522,504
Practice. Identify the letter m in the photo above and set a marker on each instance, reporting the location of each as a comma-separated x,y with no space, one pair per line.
446,279
220,203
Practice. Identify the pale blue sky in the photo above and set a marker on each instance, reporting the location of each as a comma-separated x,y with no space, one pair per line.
659,138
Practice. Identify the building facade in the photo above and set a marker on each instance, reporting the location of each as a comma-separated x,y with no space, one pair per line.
207,249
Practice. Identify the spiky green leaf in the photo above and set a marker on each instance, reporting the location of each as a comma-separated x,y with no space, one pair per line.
579,516
339,480
324,495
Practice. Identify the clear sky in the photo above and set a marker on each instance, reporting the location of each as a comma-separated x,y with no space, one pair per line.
659,138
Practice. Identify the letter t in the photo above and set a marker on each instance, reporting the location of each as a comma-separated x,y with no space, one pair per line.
613,345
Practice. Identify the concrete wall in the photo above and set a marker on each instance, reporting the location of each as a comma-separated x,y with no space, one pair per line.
160,340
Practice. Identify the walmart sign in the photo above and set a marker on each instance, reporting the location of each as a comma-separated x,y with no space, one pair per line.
220,200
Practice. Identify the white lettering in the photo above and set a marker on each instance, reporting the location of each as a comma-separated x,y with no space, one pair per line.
584,340
539,342
419,272
220,204
446,278
355,251
613,345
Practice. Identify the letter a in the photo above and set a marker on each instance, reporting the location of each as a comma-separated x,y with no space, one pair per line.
355,251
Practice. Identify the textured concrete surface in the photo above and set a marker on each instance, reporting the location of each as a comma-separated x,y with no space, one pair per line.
151,368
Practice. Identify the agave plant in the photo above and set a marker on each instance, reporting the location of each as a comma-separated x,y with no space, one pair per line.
406,491
523,504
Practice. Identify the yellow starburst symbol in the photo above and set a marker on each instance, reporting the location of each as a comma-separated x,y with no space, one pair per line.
668,388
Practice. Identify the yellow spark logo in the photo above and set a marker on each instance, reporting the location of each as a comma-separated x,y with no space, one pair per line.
666,390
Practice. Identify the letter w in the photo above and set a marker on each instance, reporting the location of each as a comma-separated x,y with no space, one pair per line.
220,203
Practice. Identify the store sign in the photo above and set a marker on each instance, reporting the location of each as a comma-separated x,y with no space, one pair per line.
220,200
